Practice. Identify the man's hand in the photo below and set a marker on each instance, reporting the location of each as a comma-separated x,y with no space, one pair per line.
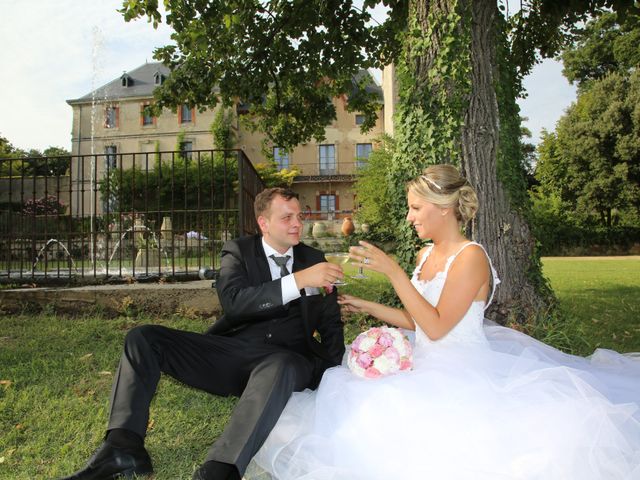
320,275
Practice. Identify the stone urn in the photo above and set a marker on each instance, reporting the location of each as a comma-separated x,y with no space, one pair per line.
166,229
139,230
319,230
347,227
147,258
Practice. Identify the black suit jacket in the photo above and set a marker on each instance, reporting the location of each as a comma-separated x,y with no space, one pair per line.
249,295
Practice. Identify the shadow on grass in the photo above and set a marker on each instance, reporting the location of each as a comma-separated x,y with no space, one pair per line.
605,317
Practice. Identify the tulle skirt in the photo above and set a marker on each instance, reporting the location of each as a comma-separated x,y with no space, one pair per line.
514,408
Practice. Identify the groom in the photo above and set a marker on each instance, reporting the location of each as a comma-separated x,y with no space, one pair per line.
261,350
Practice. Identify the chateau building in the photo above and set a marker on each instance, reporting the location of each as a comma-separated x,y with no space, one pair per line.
114,120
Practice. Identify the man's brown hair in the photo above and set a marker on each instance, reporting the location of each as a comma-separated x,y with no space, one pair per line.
263,200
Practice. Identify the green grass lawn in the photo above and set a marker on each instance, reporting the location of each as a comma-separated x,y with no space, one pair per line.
56,372
600,298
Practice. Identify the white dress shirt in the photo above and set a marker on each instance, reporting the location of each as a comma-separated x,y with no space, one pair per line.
290,290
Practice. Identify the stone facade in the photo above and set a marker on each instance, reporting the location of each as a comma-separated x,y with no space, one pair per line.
112,120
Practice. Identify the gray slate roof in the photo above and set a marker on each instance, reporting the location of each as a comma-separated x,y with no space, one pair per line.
372,86
143,84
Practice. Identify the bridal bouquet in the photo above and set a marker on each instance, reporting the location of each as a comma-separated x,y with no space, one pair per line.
380,351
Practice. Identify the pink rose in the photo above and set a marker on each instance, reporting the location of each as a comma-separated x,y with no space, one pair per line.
372,372
364,360
376,350
392,354
386,340
355,346
405,364
373,332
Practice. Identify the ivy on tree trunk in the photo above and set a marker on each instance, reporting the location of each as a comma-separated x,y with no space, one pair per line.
458,106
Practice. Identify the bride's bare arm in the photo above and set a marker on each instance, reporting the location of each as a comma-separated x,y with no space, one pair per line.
393,316
398,317
467,276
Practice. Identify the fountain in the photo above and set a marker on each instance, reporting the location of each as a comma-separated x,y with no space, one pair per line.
44,248
104,267
136,229
95,67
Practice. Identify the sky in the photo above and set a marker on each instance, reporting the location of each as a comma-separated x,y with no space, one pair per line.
53,51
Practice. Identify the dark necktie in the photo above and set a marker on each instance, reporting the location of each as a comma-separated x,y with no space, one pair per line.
282,263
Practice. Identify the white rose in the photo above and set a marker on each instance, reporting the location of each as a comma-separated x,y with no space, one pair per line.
354,367
384,365
366,344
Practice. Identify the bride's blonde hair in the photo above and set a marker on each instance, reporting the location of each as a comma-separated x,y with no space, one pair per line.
443,185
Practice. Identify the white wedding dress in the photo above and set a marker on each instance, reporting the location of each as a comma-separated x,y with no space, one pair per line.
484,402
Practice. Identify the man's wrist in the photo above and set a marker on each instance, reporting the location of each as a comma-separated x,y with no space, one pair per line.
290,290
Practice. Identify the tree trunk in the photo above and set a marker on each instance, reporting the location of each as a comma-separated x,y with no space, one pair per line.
498,226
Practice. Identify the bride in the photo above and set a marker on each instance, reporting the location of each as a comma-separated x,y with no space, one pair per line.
481,402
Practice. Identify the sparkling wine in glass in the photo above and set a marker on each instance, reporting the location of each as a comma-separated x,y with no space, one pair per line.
360,274
337,258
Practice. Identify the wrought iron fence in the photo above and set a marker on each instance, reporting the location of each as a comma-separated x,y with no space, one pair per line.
102,217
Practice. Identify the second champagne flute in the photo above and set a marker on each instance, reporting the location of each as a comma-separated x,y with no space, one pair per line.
360,274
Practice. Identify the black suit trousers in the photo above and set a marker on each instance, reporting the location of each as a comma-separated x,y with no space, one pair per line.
261,374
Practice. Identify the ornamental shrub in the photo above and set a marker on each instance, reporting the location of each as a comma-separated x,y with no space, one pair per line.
48,205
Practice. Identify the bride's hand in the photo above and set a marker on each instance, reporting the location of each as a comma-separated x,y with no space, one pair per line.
371,257
351,304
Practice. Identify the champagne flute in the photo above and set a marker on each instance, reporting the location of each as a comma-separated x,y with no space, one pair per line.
360,274
337,258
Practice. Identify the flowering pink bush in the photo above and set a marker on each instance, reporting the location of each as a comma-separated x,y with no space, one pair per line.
48,205
380,351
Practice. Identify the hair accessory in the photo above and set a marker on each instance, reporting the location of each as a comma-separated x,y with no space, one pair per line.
431,182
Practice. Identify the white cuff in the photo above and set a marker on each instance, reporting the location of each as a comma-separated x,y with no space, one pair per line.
290,290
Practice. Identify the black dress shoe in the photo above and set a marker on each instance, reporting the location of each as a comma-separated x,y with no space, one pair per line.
212,470
110,463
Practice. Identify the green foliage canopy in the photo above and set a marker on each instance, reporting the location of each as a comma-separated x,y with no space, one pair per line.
177,184
544,27
272,176
372,191
222,131
18,162
285,60
592,161
602,46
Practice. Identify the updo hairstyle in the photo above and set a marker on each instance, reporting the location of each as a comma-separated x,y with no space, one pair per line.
443,185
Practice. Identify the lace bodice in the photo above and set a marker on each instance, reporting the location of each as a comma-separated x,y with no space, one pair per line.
470,328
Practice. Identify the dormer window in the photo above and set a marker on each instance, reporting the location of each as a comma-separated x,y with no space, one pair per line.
158,78
126,80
